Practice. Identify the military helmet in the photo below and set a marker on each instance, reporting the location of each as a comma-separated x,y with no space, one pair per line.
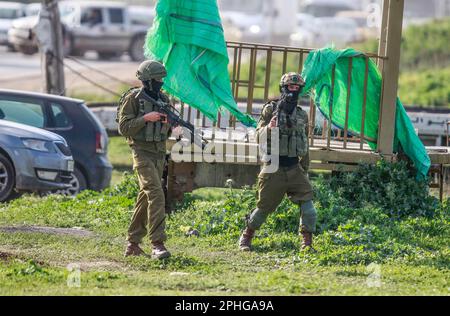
292,78
151,69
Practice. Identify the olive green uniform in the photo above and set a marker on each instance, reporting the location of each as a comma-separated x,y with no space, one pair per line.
148,143
291,180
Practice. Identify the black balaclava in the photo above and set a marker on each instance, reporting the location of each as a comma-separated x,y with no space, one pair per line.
153,87
290,98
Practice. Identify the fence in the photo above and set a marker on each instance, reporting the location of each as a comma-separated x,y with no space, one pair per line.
255,70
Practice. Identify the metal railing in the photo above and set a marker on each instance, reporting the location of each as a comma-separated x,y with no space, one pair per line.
255,70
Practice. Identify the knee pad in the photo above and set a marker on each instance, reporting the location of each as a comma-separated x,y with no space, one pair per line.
308,216
256,219
308,208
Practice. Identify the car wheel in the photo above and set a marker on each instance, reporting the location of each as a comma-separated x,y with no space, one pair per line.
78,183
7,180
136,51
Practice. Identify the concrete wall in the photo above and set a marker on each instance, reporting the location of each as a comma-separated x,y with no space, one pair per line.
216,175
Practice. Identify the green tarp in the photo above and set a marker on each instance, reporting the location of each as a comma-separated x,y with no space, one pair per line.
317,73
187,36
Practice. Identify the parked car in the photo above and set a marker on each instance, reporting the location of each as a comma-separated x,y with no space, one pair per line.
325,31
71,119
262,21
105,27
337,30
9,11
325,8
366,27
32,160
246,18
306,31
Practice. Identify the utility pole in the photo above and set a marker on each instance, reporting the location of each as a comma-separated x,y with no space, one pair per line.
49,35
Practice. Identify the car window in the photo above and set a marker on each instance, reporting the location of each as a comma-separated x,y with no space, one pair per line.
22,112
116,15
10,14
92,16
59,116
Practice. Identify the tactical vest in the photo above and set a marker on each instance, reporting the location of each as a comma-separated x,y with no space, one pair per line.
293,140
153,131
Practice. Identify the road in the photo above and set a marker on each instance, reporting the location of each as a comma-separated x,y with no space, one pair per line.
18,71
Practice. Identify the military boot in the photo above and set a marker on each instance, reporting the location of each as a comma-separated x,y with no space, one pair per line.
307,241
245,242
159,251
133,249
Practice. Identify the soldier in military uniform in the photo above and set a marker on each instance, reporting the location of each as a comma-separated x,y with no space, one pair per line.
291,177
146,131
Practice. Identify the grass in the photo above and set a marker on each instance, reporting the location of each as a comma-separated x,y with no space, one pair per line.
362,250
98,96
199,266
197,270
119,154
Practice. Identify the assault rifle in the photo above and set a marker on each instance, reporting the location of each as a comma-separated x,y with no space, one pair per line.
174,119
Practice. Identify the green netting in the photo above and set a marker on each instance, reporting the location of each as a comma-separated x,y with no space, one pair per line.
187,36
317,73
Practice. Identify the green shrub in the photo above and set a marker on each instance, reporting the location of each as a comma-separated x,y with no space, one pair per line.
429,87
391,187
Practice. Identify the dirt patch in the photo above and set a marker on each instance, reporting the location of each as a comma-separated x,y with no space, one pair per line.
77,232
4,256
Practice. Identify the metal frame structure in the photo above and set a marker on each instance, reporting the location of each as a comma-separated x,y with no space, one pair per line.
330,148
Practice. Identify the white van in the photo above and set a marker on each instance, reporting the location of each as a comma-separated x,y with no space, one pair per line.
326,8
9,11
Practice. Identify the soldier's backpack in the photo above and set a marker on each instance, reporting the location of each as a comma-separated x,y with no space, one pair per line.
121,100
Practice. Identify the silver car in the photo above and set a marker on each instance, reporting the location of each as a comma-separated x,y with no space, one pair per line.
9,11
32,160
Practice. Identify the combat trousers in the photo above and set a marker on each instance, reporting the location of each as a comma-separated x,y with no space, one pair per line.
149,210
272,187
